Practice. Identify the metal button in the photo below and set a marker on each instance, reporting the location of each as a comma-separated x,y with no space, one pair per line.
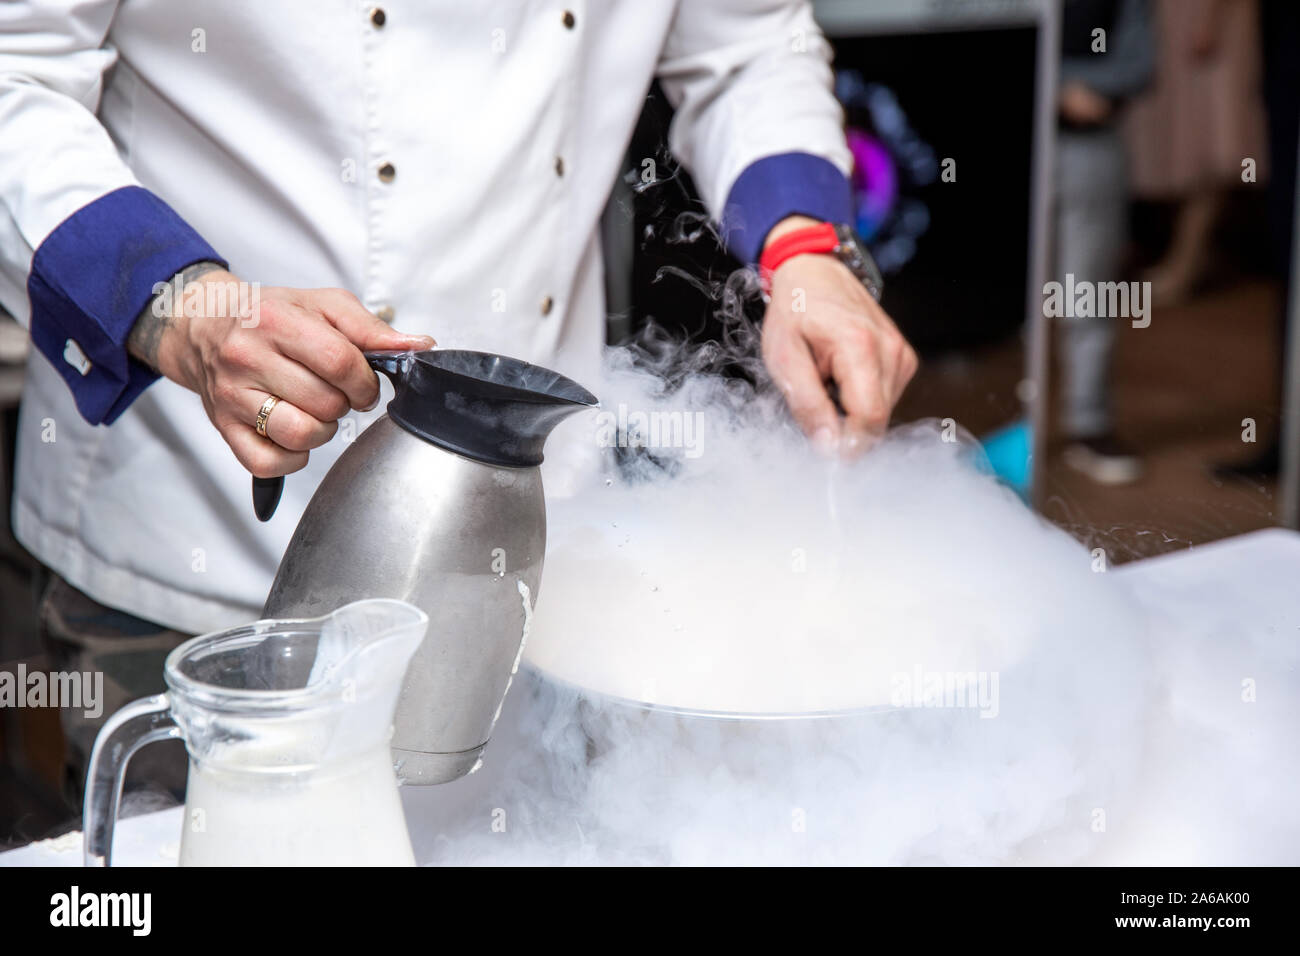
559,165
386,313
378,17
569,19
74,356
387,172
547,304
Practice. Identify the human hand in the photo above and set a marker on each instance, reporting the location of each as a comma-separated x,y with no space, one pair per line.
304,346
1082,106
822,326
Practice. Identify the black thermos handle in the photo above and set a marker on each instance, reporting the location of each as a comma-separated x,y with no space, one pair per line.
266,496
267,491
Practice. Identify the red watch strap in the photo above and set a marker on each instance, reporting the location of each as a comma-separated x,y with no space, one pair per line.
818,238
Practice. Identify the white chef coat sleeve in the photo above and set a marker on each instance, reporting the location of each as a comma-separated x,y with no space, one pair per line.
76,228
756,121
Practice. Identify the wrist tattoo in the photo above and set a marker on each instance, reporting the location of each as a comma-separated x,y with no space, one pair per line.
156,318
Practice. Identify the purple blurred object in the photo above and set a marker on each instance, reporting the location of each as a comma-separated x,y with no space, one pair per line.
875,181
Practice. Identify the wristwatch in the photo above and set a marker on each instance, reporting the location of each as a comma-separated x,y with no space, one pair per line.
839,241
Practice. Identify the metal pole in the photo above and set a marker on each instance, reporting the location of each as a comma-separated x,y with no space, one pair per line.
1288,486
1038,328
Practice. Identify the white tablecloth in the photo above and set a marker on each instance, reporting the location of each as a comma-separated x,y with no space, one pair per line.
1245,590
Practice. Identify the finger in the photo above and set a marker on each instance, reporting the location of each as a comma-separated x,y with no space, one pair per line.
795,373
261,456
905,367
291,381
865,386
288,426
361,327
328,356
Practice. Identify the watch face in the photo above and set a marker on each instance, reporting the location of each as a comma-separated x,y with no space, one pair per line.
854,255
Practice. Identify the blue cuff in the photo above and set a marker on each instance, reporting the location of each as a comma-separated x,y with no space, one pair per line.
775,187
91,278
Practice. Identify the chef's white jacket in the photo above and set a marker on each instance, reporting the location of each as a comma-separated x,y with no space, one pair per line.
447,161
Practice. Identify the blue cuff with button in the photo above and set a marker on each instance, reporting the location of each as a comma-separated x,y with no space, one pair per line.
90,280
772,188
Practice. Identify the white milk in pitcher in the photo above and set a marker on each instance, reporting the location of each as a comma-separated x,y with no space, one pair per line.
346,813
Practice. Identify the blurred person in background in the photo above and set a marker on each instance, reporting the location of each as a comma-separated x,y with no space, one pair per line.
1189,132
1092,214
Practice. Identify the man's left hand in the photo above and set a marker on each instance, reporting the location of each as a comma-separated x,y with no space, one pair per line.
822,326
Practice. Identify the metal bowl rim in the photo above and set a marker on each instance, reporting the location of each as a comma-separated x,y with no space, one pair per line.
670,710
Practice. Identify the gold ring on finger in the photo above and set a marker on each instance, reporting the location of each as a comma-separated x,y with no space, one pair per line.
264,413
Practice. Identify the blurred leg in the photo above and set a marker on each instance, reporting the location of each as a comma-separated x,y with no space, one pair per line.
1091,230
83,636
1177,274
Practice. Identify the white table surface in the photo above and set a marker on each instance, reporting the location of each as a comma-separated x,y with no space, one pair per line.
1254,579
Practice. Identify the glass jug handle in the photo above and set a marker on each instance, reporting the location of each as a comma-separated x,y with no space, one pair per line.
138,723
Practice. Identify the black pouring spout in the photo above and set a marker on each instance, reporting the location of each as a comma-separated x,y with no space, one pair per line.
491,408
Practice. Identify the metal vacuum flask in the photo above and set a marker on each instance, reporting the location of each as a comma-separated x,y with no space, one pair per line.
439,503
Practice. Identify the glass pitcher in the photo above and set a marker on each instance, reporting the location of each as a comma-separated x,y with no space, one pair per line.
287,726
